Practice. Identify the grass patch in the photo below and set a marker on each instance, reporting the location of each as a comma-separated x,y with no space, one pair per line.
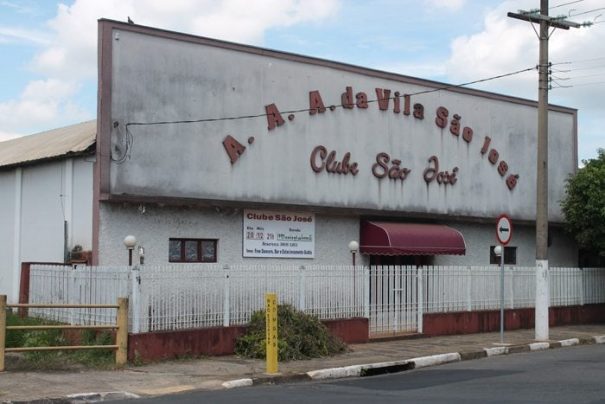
57,360
300,336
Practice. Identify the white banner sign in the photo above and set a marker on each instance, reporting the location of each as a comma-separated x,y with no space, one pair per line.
271,234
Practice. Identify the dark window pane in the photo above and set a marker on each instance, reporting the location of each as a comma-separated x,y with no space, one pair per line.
191,253
493,258
510,256
209,250
175,251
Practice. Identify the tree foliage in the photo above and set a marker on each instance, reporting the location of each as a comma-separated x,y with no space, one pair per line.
584,205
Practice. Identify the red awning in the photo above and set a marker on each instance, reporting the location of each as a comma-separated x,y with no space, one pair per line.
386,238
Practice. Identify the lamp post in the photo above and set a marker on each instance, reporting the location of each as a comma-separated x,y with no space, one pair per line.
354,247
130,241
499,252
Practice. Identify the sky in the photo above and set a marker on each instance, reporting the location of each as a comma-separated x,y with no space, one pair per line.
48,69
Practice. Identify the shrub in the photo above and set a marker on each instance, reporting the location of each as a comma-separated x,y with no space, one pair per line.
300,336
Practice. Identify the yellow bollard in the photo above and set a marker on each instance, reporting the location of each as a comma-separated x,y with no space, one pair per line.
2,330
271,331
122,333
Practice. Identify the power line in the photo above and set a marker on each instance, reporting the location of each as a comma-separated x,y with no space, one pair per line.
581,60
577,69
293,111
588,12
566,4
587,75
588,84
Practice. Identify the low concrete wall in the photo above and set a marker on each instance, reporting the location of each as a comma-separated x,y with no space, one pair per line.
489,320
159,345
220,340
351,331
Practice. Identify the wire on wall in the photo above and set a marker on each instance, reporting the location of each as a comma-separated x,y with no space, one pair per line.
294,111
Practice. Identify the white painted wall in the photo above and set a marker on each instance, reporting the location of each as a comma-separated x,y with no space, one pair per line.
8,224
34,204
81,228
157,225
193,81
479,238
42,213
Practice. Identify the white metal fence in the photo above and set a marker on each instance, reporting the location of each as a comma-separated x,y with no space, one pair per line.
449,289
393,298
77,285
194,296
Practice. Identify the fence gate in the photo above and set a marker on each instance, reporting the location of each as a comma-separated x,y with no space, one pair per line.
394,297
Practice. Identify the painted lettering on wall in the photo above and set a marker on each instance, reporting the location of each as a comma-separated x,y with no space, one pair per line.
385,167
432,173
322,160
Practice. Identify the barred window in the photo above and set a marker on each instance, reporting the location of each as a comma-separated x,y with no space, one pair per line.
192,250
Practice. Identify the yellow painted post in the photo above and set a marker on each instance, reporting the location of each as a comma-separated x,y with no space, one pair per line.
122,333
2,330
271,331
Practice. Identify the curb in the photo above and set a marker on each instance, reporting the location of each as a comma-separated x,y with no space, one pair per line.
81,398
370,369
374,369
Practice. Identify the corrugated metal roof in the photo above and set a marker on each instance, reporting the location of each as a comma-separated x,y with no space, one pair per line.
47,145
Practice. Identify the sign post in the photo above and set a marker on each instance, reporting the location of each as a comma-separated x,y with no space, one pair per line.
504,233
271,331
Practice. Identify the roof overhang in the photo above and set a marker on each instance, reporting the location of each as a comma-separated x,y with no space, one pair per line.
388,238
69,141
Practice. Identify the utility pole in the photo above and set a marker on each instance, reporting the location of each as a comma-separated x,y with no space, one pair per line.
542,296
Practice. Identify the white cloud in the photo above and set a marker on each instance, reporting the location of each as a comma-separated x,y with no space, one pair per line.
453,5
69,53
74,29
232,19
505,45
22,7
427,69
41,103
9,135
12,34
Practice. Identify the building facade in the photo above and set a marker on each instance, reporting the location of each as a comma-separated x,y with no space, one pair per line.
210,151
45,199
207,140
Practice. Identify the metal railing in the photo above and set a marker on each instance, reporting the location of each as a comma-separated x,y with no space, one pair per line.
185,296
121,327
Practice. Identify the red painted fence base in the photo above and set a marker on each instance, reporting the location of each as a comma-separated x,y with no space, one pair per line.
154,346
489,320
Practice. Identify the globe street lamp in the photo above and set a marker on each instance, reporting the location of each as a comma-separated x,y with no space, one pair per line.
353,247
130,241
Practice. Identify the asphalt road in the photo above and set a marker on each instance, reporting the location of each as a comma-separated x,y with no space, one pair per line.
566,375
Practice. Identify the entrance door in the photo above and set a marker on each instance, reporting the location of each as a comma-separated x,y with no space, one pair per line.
394,294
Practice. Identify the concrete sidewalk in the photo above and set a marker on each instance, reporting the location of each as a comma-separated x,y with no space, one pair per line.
230,371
